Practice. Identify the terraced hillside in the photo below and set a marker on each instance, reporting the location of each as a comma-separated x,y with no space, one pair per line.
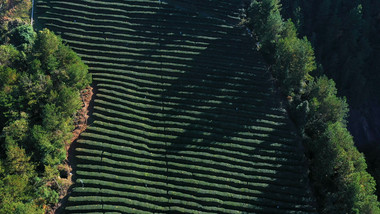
185,116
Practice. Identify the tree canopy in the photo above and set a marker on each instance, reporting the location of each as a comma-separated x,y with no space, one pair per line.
40,79
337,170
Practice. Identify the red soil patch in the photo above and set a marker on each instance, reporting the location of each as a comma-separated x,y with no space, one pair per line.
66,168
82,115
80,122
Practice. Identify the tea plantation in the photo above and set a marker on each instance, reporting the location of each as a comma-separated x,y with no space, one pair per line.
185,118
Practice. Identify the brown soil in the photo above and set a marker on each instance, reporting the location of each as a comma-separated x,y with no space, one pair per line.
82,115
66,169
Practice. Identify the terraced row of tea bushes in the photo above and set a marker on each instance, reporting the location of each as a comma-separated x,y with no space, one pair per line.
185,116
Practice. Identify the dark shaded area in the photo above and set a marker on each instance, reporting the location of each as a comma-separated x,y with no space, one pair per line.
345,38
220,119
218,126
229,89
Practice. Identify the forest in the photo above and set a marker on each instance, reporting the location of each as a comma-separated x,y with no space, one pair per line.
40,80
338,170
344,37
347,53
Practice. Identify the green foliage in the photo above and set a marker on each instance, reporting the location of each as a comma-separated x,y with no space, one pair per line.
266,22
57,59
39,96
78,75
55,123
338,170
47,44
7,104
15,186
75,72
21,208
325,106
9,55
345,37
51,117
17,161
343,34
59,129
8,76
69,101
47,194
35,89
22,37
40,79
13,13
14,190
40,139
294,60
17,129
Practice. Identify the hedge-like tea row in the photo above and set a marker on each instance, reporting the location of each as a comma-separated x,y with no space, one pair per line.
186,118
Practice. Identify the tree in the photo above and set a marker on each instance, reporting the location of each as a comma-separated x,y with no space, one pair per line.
9,56
59,128
39,96
57,59
41,141
22,37
266,22
337,168
18,129
342,183
8,76
78,75
35,88
46,45
17,162
15,196
294,60
341,33
325,106
69,100
51,117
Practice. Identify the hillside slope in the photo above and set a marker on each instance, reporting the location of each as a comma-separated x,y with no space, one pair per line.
185,116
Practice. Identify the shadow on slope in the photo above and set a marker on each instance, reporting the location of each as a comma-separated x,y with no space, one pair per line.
223,113
220,112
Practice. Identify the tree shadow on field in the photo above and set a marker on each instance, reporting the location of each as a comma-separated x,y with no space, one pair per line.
220,111
226,134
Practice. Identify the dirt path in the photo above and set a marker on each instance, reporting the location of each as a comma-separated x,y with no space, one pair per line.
67,169
82,115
